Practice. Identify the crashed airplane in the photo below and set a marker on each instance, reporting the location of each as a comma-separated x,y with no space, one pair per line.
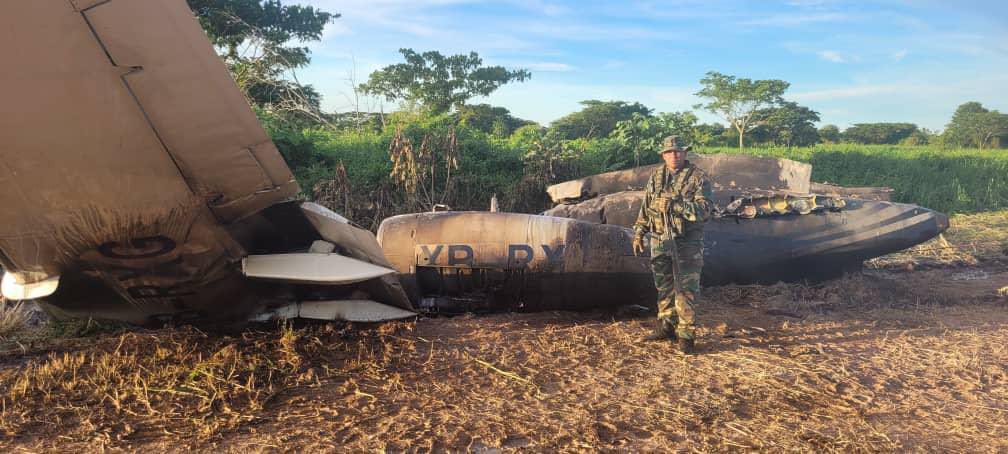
139,186
579,254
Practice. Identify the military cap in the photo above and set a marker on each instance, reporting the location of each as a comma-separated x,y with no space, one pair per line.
673,143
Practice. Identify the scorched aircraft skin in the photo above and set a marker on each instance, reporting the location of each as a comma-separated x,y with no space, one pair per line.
138,185
765,249
470,261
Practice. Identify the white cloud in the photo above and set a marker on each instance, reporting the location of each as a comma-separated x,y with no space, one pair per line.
613,64
832,56
548,67
806,3
542,7
335,28
856,91
544,102
796,19
898,55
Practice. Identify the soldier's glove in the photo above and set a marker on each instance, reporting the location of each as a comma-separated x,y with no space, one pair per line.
638,243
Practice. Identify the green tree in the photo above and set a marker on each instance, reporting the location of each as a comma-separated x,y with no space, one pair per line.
829,133
253,37
974,125
643,134
879,133
490,119
684,124
596,119
714,132
637,135
740,101
439,83
788,124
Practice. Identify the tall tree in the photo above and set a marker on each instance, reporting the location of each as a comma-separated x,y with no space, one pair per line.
437,82
254,37
597,118
974,125
490,119
643,134
740,101
829,133
639,135
789,124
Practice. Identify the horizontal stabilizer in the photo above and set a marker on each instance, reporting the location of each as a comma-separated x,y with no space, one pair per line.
310,268
347,310
13,290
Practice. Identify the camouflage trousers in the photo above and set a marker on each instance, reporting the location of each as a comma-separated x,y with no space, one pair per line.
678,309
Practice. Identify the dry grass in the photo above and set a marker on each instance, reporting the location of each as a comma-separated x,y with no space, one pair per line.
13,318
861,364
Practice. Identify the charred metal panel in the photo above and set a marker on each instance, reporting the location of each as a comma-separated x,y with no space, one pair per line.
726,171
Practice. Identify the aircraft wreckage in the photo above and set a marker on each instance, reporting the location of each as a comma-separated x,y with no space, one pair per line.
139,186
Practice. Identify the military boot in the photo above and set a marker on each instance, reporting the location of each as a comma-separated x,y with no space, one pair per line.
687,346
663,330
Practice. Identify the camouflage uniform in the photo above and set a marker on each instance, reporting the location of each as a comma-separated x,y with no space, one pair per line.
676,204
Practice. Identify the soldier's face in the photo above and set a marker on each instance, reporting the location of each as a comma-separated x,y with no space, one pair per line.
674,159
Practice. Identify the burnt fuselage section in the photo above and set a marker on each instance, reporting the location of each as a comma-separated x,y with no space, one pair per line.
471,261
786,247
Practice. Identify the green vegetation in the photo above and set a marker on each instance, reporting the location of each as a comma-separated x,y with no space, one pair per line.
519,167
597,118
953,181
879,133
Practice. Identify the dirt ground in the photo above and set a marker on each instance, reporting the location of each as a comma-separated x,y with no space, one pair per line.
910,355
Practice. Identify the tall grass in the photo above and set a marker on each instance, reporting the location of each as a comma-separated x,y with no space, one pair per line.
952,181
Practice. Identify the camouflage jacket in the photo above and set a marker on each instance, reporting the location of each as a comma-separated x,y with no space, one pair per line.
675,202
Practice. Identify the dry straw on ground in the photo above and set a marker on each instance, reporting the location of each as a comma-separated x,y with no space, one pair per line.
13,318
889,360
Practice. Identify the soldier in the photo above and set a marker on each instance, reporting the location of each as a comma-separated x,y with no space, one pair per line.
677,202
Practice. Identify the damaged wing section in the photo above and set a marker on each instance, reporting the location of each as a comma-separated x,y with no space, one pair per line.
136,178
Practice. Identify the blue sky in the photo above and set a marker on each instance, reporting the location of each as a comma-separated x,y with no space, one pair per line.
911,61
